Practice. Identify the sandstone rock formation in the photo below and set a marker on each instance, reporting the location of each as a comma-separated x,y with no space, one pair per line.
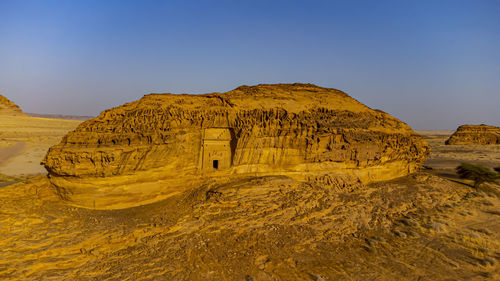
475,134
7,107
164,143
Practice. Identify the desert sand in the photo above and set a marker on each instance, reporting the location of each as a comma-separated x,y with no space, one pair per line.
24,141
447,157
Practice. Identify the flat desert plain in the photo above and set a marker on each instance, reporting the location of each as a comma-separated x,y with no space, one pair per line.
429,225
24,141
445,158
449,156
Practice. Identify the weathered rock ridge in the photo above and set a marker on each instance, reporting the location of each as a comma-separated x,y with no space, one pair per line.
475,134
7,107
168,142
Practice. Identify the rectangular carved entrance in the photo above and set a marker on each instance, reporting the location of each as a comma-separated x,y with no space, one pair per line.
216,149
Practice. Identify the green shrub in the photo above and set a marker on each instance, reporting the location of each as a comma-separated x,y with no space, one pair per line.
479,174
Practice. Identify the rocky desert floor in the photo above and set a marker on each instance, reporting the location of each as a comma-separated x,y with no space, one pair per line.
427,226
449,156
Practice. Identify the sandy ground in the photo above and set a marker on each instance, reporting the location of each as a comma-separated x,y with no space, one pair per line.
445,158
426,226
24,141
450,156
421,227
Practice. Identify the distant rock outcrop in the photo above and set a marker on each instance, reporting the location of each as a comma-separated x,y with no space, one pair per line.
7,107
167,142
475,134
60,116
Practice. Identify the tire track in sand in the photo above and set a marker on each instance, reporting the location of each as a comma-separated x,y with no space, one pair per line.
11,151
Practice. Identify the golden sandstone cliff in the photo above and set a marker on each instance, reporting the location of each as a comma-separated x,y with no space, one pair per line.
165,143
8,107
475,134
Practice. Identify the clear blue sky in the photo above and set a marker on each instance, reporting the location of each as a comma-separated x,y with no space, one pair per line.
434,64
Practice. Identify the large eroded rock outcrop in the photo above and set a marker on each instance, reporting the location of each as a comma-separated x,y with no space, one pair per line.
164,143
7,107
475,134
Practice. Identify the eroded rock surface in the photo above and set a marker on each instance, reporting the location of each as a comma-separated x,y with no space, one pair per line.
475,134
7,107
299,130
268,228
